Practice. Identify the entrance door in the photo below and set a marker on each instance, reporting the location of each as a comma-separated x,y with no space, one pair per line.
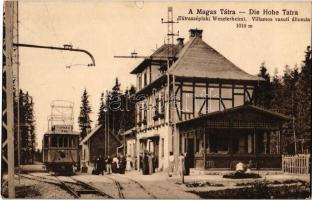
190,151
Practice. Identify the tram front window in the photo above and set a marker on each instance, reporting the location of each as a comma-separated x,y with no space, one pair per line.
65,141
54,141
46,141
60,141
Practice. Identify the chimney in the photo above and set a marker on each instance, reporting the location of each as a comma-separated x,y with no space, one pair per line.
180,41
195,33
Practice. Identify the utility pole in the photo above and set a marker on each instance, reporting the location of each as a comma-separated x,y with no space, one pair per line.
7,109
171,56
11,66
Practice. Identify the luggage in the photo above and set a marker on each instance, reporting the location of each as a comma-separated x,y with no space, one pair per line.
95,172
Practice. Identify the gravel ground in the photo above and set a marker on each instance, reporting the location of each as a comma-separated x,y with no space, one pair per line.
157,185
37,189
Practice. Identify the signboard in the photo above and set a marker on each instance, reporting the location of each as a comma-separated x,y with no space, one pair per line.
62,128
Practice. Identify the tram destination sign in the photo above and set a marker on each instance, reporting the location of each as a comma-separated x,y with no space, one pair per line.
62,128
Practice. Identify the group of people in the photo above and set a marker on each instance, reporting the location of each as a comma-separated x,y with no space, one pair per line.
148,163
183,164
116,164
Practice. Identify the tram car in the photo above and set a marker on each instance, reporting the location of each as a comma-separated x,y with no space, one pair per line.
61,150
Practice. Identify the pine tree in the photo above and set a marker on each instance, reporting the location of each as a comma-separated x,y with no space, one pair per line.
115,107
101,113
303,92
263,93
84,118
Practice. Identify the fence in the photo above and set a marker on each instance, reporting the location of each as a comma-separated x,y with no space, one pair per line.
296,164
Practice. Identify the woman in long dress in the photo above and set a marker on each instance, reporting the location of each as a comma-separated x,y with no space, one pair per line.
181,165
128,166
115,164
150,163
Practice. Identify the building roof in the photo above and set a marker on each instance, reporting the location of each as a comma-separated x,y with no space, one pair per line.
94,131
239,110
90,134
129,131
161,54
198,59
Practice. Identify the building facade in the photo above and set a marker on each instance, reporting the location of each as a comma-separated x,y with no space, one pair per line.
97,143
191,99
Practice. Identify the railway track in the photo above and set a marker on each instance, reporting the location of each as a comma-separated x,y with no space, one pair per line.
121,189
118,186
74,187
80,189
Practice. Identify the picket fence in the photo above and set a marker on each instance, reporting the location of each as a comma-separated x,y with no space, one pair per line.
296,164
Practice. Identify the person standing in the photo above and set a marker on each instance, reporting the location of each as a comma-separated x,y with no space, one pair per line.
100,165
109,165
154,162
122,164
171,164
115,164
129,160
145,164
150,163
187,164
181,165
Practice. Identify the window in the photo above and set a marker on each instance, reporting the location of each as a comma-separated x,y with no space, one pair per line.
53,141
162,147
162,103
145,79
60,141
197,145
219,143
140,81
74,142
66,141
156,106
187,100
46,141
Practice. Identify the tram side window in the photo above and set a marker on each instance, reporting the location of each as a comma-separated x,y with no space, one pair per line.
66,141
54,141
74,141
46,141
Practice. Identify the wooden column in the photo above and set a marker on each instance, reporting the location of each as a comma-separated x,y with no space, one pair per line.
205,147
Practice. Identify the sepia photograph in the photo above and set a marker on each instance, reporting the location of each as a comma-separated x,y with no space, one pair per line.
156,99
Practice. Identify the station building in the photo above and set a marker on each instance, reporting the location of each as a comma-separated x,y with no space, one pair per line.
190,98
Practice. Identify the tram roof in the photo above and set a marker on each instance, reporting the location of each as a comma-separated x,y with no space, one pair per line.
61,133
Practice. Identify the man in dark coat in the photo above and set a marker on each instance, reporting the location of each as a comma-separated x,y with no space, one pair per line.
122,164
145,167
100,165
187,164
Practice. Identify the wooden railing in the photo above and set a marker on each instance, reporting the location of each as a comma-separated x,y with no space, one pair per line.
296,164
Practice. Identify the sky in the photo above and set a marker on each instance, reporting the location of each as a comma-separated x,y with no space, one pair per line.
107,29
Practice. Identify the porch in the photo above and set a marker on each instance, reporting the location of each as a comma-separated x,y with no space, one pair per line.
224,138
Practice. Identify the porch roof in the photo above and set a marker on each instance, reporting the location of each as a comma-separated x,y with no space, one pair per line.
129,131
245,113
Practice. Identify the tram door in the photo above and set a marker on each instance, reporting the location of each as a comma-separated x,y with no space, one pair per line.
191,151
